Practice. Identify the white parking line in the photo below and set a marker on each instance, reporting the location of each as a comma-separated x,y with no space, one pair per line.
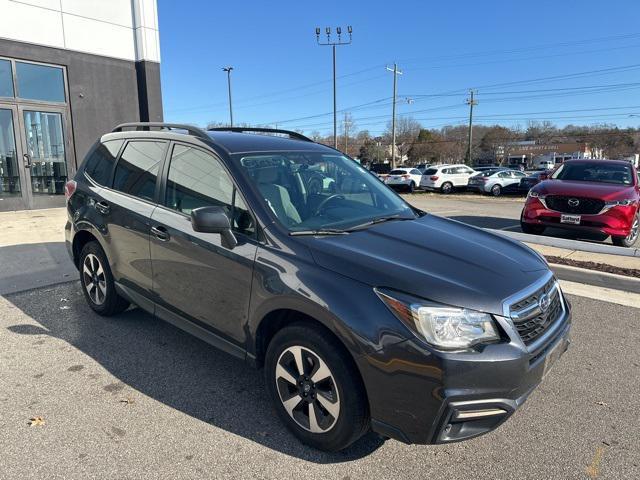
603,294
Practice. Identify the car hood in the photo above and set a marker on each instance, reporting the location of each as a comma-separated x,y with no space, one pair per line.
433,258
604,191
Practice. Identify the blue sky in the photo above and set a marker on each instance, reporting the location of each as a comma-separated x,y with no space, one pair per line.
507,50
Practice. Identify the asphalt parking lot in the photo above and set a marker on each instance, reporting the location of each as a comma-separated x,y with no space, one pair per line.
133,397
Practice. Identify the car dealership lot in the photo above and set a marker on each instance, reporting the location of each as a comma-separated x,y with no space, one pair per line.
133,397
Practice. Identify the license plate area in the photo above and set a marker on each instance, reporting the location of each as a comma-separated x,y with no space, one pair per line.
571,219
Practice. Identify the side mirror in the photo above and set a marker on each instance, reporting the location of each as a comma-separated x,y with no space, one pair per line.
214,220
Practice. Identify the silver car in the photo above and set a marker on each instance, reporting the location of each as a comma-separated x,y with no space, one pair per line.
496,182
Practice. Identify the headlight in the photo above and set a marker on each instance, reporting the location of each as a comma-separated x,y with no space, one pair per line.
441,325
619,203
533,194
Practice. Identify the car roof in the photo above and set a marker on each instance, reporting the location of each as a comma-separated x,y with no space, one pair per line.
232,141
599,160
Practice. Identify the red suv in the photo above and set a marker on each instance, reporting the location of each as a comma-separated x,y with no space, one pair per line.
597,195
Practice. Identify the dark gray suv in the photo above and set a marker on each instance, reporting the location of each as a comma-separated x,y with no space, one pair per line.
365,312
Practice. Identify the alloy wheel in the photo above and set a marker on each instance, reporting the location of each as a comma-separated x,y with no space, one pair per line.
635,229
94,279
307,389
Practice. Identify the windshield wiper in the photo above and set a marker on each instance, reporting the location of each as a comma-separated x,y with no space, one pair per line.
377,220
318,231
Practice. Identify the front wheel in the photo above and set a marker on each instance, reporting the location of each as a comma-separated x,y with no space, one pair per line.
629,240
496,190
97,282
315,387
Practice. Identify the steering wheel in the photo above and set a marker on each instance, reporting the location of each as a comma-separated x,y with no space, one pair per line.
325,201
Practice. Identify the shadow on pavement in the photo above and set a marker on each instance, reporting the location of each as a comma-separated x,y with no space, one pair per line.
162,362
34,265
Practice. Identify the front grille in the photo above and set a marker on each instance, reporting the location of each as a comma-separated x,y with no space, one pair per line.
529,319
567,204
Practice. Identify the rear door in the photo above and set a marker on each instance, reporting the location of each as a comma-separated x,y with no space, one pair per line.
126,209
194,275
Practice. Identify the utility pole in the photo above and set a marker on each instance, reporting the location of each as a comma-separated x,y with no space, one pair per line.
471,102
347,126
228,70
334,44
396,72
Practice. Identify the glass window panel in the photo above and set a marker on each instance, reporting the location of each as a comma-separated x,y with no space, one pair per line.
40,82
100,162
45,145
9,174
137,169
197,179
6,79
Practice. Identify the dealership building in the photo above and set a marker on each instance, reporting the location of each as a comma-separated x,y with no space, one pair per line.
70,70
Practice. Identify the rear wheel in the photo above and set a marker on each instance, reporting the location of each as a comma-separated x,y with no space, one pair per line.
315,387
629,240
412,187
97,282
446,188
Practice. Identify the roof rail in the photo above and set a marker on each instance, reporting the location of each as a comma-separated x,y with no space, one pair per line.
296,135
191,130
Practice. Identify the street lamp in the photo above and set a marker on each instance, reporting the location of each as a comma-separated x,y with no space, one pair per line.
334,43
228,70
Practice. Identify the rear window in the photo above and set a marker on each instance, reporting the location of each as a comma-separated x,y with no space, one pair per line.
100,162
431,171
137,169
595,172
397,172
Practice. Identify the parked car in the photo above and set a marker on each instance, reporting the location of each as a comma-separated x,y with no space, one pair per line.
593,195
446,178
496,182
364,312
422,167
381,170
484,168
531,179
404,178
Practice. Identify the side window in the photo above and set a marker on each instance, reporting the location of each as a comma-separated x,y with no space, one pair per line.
415,171
100,162
198,179
137,169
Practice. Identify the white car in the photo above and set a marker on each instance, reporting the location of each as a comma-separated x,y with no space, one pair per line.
446,178
404,178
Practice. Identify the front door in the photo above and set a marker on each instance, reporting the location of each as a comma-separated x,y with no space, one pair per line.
45,151
13,194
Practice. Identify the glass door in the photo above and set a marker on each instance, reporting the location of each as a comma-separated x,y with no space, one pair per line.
45,155
13,195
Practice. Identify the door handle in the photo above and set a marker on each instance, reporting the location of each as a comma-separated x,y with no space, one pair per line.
27,160
160,233
102,207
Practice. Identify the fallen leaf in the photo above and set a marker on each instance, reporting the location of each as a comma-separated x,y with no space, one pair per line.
36,422
64,299
602,404
127,401
65,308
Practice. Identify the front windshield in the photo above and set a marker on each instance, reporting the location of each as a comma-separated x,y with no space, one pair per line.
319,191
595,172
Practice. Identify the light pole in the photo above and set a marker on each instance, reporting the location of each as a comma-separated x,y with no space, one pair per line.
228,70
471,101
334,44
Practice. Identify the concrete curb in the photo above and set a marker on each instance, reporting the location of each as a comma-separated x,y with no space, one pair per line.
595,278
569,244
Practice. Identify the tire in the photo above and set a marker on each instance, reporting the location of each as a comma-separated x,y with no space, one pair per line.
412,187
496,190
531,229
347,417
630,240
97,282
446,188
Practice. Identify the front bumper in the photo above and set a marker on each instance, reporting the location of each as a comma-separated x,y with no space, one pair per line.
616,221
418,395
